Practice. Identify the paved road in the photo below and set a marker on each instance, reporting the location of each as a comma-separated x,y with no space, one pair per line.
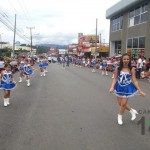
71,109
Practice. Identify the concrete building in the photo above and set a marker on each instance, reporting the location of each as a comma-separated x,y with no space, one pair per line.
130,27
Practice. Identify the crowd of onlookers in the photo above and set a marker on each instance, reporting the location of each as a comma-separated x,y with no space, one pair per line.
141,64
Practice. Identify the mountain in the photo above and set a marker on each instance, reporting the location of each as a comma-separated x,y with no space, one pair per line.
57,46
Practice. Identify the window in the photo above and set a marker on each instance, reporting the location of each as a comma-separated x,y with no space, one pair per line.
138,15
144,17
117,24
138,42
131,14
136,20
142,42
129,43
135,43
117,47
136,46
137,11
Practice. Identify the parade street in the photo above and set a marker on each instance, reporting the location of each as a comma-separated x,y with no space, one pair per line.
72,109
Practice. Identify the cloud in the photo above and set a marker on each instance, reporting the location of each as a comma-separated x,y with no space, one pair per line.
57,21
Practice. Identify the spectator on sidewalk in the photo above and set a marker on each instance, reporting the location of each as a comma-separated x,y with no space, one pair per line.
139,67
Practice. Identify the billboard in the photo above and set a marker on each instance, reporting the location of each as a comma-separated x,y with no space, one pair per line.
63,51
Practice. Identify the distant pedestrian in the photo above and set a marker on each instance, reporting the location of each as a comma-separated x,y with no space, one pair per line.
139,67
125,85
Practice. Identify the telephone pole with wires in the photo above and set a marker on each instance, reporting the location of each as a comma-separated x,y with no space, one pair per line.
30,28
13,50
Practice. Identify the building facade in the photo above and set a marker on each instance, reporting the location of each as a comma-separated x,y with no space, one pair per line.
130,28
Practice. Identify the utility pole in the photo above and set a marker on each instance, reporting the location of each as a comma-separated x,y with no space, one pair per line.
1,39
13,50
30,28
100,43
96,42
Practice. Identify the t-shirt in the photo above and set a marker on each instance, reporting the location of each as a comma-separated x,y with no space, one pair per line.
139,63
1,64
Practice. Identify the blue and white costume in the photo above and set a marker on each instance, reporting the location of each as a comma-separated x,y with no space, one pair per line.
6,81
115,65
21,68
93,63
27,69
45,63
124,87
104,64
41,63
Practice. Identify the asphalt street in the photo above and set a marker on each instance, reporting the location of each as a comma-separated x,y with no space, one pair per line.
72,109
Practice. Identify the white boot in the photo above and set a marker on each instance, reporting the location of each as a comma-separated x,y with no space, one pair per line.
112,76
8,103
44,74
20,79
120,122
106,73
28,82
133,114
41,74
5,102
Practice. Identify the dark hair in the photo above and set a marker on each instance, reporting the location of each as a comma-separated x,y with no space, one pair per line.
121,63
7,65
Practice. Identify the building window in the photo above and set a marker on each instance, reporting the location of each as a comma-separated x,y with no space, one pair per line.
136,46
138,42
141,42
129,44
117,24
135,43
117,47
138,15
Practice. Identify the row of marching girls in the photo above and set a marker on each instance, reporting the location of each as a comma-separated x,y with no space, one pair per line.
7,82
43,64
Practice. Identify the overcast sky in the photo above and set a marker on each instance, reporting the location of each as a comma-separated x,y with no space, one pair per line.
54,21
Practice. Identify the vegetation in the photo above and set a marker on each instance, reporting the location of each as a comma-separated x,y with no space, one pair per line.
5,52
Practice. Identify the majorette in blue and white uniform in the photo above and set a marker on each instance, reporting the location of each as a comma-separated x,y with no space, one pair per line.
21,67
115,65
41,63
104,64
6,81
124,87
93,63
45,63
27,69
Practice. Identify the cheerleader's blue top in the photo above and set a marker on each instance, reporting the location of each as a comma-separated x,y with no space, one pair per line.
21,68
28,70
41,62
6,82
124,88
